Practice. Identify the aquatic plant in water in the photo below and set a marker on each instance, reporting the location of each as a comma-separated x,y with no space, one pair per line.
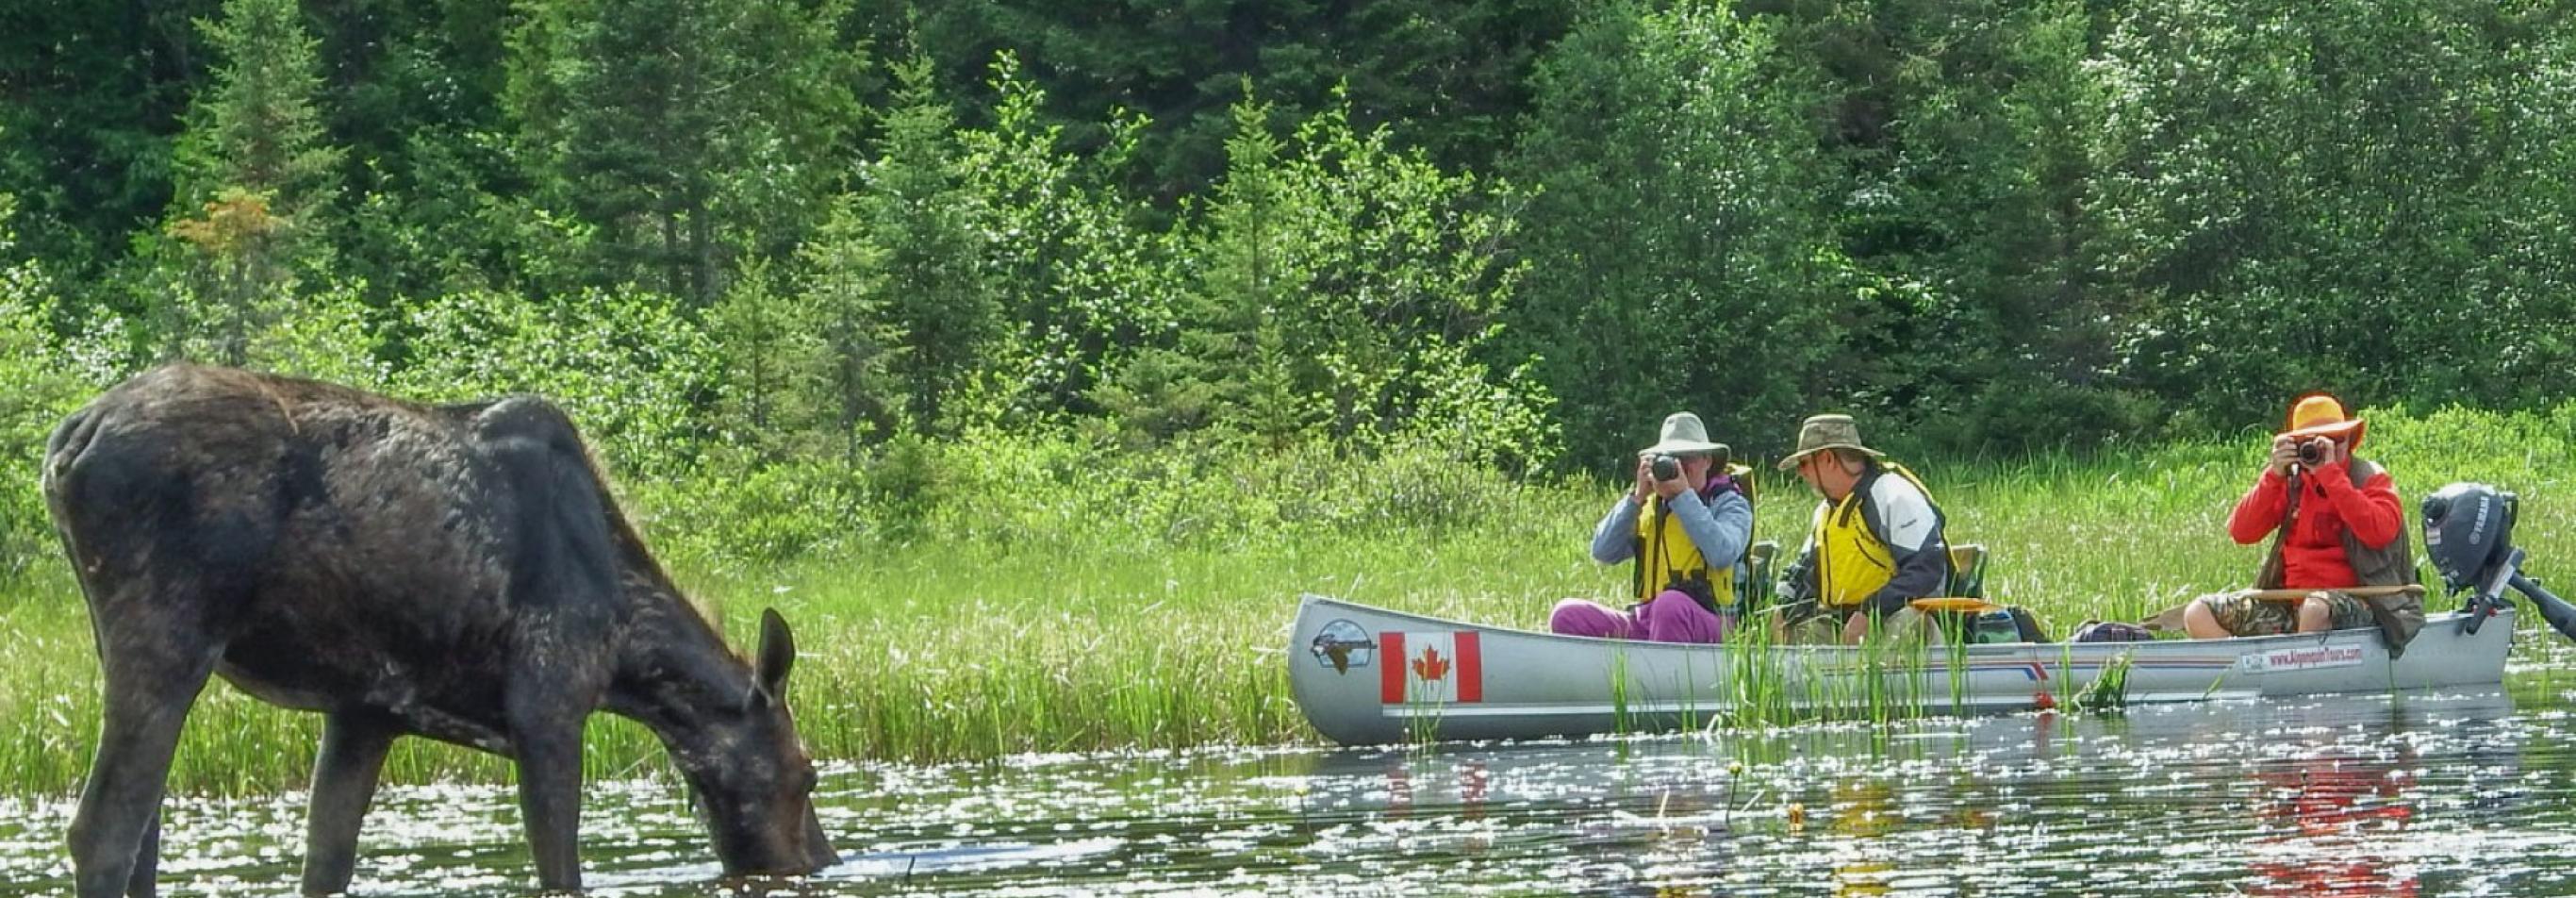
2108,693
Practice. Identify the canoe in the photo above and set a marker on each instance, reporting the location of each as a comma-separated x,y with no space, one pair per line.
1368,676
2347,733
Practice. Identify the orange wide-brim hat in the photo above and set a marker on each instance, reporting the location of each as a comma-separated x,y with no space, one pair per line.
2319,415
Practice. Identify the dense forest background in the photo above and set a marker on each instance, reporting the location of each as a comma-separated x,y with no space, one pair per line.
820,266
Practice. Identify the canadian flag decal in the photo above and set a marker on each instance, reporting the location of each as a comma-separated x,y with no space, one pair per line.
1441,667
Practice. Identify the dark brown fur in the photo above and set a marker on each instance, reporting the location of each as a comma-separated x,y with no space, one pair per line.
455,572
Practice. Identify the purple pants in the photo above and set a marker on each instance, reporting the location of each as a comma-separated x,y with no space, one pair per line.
1670,617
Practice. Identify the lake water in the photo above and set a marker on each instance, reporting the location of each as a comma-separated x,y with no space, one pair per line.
2446,793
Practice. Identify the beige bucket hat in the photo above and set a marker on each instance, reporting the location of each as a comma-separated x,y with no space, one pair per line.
1684,435
1822,432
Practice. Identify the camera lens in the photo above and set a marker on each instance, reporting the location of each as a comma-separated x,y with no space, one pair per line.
1667,467
2310,453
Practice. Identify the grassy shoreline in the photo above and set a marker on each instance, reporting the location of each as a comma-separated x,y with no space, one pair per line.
1075,635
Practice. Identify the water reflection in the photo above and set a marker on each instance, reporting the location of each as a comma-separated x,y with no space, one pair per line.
2442,794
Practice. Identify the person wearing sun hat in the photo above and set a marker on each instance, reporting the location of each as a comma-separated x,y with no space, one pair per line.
1686,532
1874,544
2336,522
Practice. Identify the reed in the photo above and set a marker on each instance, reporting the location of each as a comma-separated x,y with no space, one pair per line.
1076,627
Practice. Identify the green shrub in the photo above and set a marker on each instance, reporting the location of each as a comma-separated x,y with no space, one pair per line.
633,372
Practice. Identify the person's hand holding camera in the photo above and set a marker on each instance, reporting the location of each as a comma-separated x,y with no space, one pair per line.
2285,452
1645,479
2319,452
2309,453
1667,472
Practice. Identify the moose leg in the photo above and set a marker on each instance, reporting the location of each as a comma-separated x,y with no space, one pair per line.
149,690
546,737
344,782
145,880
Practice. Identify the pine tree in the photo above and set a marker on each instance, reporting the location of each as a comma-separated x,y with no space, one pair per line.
1681,207
846,286
938,290
668,123
257,177
773,352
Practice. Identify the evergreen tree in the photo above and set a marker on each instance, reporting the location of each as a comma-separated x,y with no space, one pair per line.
772,349
937,287
256,128
436,204
1080,279
667,123
1453,77
257,177
846,285
92,97
1685,249
1250,268
1966,151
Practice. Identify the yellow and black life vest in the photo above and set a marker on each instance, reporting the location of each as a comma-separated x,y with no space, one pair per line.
1853,561
1667,559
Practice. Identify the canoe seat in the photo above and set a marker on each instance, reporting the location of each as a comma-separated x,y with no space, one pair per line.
1753,577
1967,571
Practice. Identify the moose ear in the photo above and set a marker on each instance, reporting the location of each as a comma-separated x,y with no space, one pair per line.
777,653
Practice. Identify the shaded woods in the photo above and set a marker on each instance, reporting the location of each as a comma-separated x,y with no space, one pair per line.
809,272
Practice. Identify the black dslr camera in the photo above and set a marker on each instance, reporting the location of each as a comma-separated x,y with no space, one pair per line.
2312,451
1666,467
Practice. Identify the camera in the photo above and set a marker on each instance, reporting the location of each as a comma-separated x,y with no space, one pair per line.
1666,467
2312,452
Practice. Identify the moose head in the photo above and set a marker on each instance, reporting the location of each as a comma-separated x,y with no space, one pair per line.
752,781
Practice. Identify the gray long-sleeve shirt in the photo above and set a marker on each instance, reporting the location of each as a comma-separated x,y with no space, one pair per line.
1720,528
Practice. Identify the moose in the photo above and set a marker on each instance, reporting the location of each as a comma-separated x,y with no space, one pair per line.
455,572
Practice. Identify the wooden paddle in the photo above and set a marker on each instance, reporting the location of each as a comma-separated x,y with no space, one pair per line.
2358,592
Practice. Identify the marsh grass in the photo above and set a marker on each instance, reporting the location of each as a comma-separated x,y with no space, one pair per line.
1109,612
2108,692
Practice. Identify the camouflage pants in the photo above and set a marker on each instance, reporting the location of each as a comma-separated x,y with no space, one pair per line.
2244,615
1826,627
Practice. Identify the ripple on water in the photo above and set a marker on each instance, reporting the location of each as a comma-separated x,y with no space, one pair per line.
2450,793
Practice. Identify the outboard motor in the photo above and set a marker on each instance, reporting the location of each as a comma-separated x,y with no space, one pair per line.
2468,531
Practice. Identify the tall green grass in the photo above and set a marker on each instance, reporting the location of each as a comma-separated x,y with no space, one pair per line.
1040,597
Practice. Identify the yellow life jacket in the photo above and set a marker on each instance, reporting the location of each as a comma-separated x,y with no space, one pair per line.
1852,561
1667,559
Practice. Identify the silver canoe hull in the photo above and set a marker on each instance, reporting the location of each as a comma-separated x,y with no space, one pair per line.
1366,675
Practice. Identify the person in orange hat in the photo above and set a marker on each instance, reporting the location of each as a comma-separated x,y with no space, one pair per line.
2336,523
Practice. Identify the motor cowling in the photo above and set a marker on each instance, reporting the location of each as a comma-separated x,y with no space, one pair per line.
2468,531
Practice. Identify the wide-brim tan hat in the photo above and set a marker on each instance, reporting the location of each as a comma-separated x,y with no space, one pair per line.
1684,435
2319,415
1823,432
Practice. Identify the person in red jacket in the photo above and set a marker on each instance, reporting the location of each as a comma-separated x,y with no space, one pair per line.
2340,513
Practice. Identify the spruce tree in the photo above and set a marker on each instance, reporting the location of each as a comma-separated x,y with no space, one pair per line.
937,287
258,176
846,277
668,124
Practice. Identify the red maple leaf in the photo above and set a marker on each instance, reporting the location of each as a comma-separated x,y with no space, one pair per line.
1431,666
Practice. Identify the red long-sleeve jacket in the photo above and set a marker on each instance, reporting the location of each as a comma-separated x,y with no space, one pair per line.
2313,557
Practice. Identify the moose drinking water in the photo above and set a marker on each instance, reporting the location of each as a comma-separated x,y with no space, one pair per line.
456,572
